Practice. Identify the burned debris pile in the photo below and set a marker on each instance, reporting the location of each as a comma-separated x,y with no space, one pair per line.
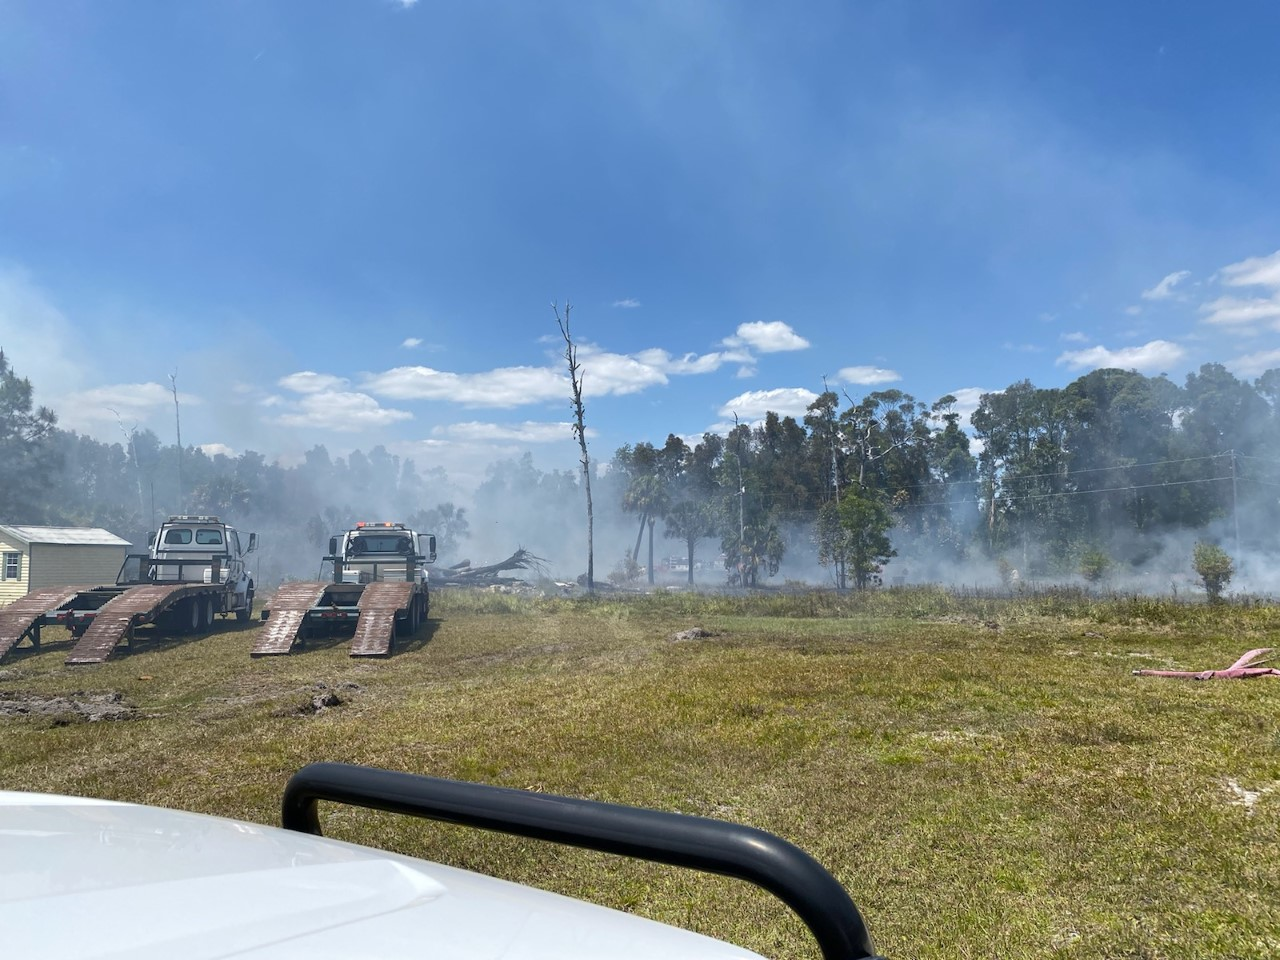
465,575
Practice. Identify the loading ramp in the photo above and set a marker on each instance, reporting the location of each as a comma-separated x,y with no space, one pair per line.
21,620
285,617
377,611
379,604
114,620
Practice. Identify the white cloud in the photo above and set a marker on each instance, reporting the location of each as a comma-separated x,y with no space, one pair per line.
308,381
1255,364
1233,311
411,342
767,337
690,363
341,411
627,304
1256,271
605,373
1164,289
866,376
1156,355
131,403
504,387
784,401
1076,337
217,449
527,432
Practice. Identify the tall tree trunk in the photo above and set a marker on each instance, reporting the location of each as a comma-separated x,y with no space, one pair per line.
580,431
652,521
635,552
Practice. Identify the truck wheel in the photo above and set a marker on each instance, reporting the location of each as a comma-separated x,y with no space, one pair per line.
206,613
188,616
247,612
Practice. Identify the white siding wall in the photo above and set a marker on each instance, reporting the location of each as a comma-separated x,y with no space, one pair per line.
11,590
74,564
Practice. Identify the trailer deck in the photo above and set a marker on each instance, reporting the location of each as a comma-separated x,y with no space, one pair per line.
378,611
100,617
114,620
285,616
21,620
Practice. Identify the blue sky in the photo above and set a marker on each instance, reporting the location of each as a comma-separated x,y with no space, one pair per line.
345,222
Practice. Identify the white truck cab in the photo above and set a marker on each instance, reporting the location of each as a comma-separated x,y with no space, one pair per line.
203,549
372,551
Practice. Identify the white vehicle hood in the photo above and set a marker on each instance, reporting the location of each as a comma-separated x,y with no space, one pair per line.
95,880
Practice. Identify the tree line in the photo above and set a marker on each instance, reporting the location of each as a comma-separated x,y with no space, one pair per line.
1078,480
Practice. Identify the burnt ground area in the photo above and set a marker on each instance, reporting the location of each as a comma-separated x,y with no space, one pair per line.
76,707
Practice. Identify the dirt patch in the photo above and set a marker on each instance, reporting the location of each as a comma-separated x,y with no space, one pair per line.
318,698
77,707
693,633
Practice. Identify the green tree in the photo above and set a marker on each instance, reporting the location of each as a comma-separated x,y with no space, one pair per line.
27,456
1094,564
690,520
1214,567
446,521
865,521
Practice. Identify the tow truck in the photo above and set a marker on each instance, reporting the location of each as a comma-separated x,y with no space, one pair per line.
195,569
380,590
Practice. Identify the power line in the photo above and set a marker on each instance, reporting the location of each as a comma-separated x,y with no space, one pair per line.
1066,493
1245,456
1068,473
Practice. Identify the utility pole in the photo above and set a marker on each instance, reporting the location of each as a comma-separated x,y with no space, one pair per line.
177,418
1235,514
841,583
742,527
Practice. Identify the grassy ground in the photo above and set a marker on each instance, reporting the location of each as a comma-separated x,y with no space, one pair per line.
984,774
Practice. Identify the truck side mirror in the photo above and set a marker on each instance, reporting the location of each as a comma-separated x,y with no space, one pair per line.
333,546
431,548
253,543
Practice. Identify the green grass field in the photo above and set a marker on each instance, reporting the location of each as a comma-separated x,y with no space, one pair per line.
984,775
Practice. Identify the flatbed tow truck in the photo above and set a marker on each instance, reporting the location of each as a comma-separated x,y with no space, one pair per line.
194,571
379,591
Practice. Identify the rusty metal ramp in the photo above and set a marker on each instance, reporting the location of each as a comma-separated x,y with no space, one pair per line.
115,620
18,618
378,606
287,611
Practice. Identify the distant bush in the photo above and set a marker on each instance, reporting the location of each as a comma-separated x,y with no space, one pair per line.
1214,567
1094,565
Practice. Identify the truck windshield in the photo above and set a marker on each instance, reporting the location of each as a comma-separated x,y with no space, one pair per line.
177,536
381,544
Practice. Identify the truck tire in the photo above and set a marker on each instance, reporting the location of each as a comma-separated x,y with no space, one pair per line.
206,613
187,616
246,612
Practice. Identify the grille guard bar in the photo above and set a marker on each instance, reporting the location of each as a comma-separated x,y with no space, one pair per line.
699,843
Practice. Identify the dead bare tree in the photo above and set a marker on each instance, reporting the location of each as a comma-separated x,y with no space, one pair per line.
579,431
131,436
